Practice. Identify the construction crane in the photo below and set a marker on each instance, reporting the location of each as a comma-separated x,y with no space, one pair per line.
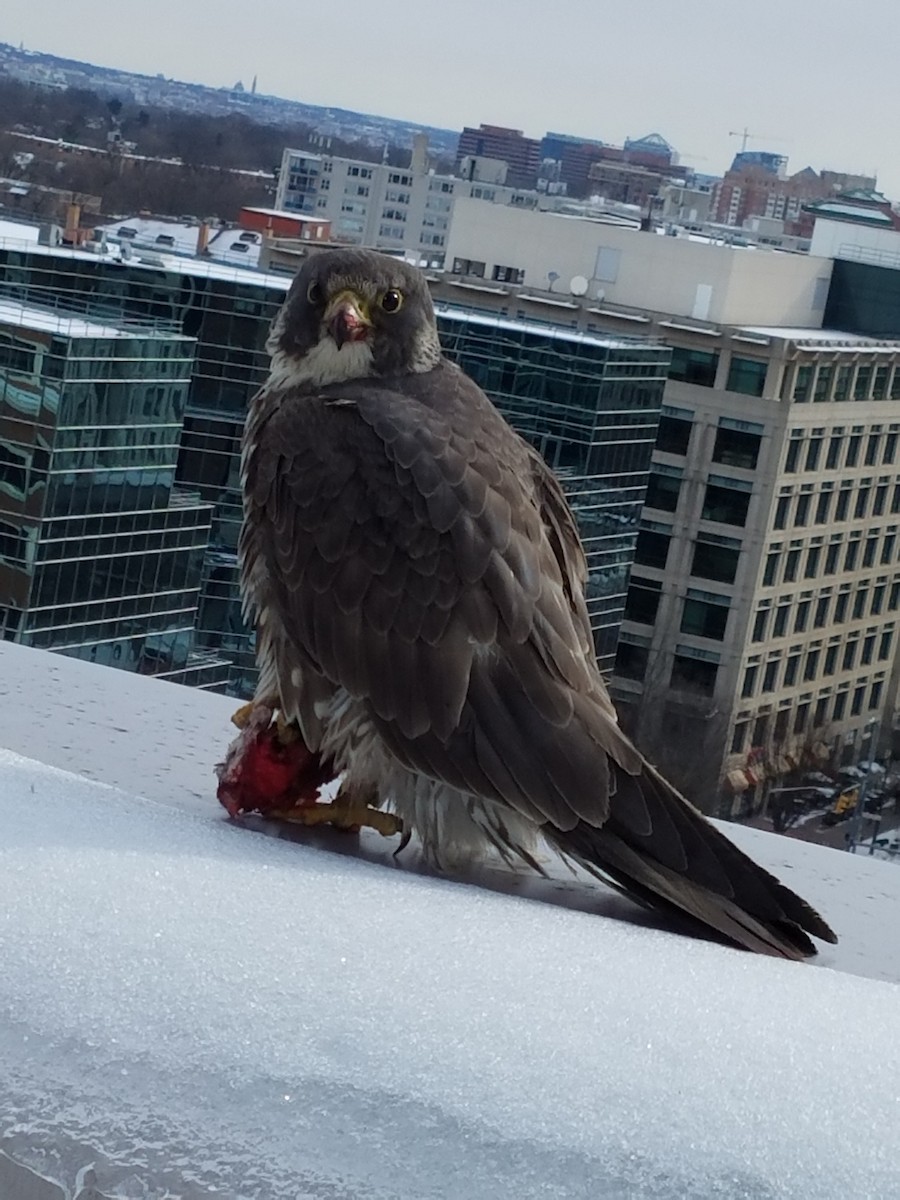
745,135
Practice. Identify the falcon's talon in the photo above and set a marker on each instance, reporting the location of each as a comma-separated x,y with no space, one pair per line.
241,718
405,839
348,817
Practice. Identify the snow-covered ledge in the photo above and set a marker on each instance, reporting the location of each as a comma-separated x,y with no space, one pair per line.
196,1007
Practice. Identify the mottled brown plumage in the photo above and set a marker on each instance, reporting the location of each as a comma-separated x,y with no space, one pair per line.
419,583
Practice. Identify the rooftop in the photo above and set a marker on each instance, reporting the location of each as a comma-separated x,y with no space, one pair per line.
562,333
200,1008
821,337
48,320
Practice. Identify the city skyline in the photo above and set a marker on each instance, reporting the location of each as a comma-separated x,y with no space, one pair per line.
805,84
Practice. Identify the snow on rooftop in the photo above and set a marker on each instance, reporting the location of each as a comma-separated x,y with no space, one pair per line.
18,231
45,320
197,1007
830,337
610,341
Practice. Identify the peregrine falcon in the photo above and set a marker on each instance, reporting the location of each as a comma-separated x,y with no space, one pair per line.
417,582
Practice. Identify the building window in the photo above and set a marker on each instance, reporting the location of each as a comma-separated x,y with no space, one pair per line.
726,505
792,457
468,266
840,706
760,730
833,457
748,687
884,646
746,375
859,603
871,457
801,512
853,448
802,383
887,548
663,489
823,504
830,665
813,554
880,383
823,383
877,599
813,452
801,717
693,675
791,667
859,695
820,713
843,502
713,561
760,621
652,548
868,651
832,554
820,617
770,573
503,274
801,617
890,441
631,660
870,550
736,448
849,660
642,600
879,504
862,502
840,607
861,386
842,383
875,694
770,675
704,618
811,668
779,626
782,507
852,554
739,737
674,435
694,366
791,565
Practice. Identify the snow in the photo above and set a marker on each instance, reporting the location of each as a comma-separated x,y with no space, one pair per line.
66,325
200,1009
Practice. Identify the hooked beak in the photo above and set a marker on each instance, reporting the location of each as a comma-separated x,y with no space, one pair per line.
347,319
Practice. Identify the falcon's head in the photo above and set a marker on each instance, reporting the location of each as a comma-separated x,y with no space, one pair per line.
351,314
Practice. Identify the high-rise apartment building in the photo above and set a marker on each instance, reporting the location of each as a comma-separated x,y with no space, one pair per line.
396,209
100,552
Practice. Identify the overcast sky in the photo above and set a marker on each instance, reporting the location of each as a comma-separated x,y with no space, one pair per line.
816,80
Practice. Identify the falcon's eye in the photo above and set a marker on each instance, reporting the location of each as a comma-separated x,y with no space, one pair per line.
314,293
391,300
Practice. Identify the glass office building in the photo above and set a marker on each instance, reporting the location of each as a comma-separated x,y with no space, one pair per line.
589,403
100,553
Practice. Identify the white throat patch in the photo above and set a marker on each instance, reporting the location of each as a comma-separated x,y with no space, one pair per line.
324,364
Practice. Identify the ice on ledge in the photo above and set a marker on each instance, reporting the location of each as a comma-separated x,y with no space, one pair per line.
196,1009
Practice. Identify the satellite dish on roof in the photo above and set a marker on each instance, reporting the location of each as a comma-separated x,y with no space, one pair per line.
578,285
